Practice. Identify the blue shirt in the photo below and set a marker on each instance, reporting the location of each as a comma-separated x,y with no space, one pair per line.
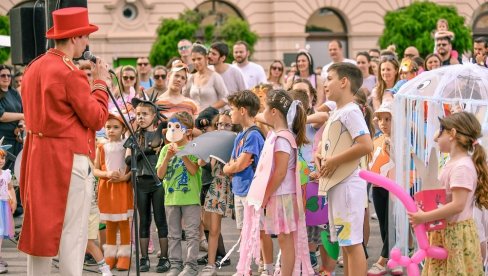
241,181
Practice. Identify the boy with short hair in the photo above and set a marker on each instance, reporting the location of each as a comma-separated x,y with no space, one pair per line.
247,148
182,181
348,198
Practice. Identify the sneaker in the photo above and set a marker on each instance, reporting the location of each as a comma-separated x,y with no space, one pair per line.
175,270
144,264
397,271
377,270
202,260
3,269
163,265
267,273
219,263
209,270
340,261
203,245
189,271
105,270
89,260
3,262
260,267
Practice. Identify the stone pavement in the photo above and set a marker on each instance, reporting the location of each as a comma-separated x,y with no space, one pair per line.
17,260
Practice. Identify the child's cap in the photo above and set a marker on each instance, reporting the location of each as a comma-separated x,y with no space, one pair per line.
385,107
116,116
178,65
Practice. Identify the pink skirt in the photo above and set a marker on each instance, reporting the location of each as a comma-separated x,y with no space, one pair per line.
281,215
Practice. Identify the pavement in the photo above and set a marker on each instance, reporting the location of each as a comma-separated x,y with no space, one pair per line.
17,260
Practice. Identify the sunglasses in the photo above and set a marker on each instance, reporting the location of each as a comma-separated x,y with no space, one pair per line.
129,77
143,64
442,128
157,77
277,68
182,48
388,58
5,76
441,44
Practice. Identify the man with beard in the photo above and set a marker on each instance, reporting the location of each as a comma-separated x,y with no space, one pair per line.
233,78
253,73
480,51
443,48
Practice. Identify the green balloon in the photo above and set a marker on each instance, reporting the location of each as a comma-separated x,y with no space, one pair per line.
331,248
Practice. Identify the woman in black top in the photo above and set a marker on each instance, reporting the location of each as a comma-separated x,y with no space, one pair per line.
11,114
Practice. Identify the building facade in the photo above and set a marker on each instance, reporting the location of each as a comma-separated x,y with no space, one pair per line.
128,27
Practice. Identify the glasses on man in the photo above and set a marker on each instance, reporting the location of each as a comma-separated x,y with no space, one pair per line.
278,68
142,64
129,78
5,76
157,77
441,44
185,47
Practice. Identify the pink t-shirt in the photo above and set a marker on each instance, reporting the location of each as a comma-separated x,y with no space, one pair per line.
288,186
460,173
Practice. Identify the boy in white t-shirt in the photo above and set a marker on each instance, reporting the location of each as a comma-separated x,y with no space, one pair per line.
347,199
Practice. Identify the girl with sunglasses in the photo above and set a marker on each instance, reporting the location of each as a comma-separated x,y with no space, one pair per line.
128,87
275,74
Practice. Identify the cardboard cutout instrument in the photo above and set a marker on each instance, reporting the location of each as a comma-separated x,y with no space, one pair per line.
335,140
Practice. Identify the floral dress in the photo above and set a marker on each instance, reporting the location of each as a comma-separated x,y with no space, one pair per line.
219,198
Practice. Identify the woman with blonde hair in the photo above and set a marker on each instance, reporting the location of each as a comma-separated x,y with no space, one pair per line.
275,74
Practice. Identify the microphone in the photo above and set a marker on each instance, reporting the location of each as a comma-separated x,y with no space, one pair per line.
87,55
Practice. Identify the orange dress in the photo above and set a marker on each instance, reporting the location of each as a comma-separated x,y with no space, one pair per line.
115,200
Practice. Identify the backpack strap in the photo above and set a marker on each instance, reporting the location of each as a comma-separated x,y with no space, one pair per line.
244,138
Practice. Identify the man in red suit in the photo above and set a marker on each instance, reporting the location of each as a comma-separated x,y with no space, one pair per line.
62,113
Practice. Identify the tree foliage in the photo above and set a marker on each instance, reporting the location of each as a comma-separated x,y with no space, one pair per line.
4,30
415,24
189,26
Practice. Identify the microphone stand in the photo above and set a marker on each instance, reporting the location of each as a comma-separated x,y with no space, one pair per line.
135,148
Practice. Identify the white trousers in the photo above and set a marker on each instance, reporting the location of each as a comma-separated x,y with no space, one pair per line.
74,235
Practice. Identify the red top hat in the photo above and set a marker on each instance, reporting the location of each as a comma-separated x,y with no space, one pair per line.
70,22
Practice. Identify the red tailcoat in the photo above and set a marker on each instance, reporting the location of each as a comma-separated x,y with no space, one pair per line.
61,116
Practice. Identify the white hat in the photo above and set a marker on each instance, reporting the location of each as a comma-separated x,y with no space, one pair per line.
385,107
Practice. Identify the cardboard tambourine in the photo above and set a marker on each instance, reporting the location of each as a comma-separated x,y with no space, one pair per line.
335,140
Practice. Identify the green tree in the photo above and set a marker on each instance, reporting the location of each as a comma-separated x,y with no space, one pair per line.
4,30
414,26
189,25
